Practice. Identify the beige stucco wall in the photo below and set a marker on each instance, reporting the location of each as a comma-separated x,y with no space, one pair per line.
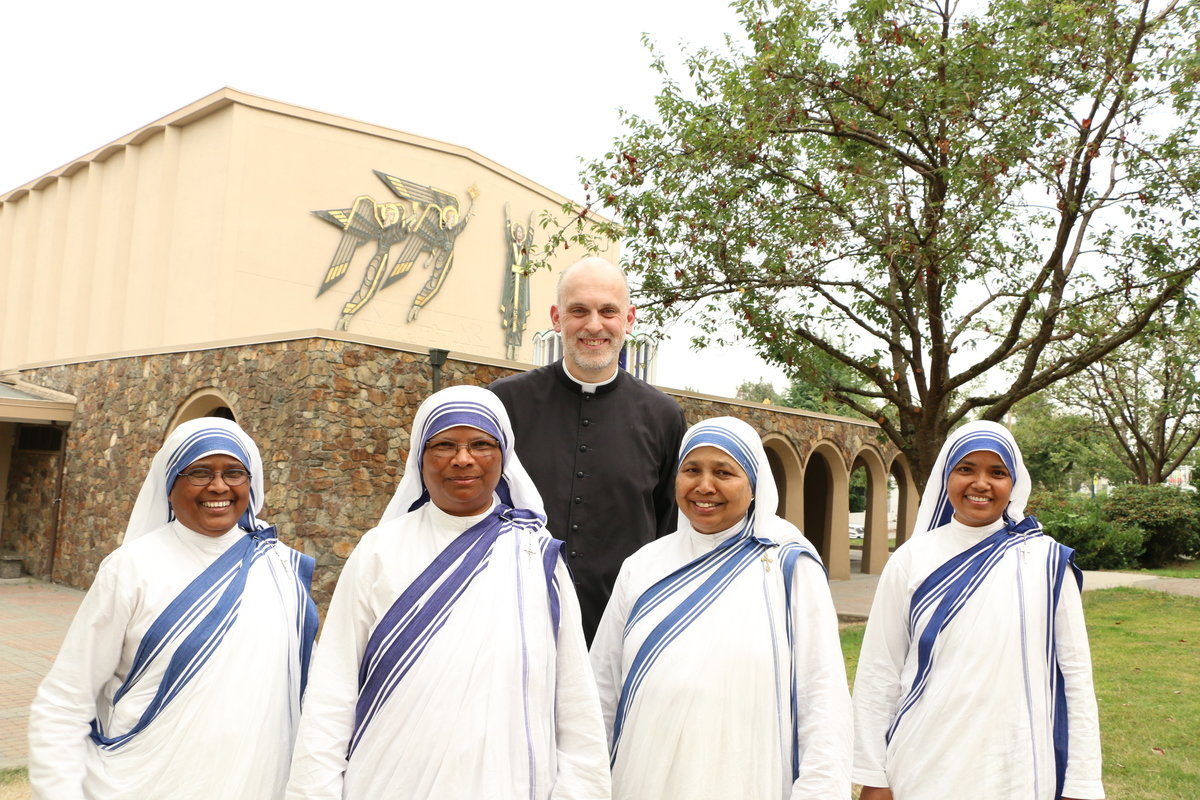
198,227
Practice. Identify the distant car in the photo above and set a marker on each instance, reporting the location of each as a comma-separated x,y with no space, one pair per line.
857,531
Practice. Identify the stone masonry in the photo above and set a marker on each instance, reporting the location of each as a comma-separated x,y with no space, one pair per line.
330,416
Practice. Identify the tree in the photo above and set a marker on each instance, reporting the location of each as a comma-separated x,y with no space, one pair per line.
1146,397
925,197
760,391
811,386
1062,450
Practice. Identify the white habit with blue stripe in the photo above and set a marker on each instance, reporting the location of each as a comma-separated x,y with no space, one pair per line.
489,693
972,715
719,704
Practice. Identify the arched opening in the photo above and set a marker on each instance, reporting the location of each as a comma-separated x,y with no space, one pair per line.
202,403
785,466
856,527
817,481
777,471
906,499
869,480
825,509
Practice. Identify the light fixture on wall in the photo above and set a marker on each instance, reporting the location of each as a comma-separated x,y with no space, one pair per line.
437,357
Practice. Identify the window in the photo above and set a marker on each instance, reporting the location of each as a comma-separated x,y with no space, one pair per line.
39,438
640,352
547,347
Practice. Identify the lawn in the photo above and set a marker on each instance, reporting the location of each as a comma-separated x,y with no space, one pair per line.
1185,569
1145,650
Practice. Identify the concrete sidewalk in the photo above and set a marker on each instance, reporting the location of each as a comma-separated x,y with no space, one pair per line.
852,598
34,617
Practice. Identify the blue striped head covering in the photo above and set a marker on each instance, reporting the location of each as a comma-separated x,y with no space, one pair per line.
184,446
935,509
719,433
741,442
474,407
454,413
733,436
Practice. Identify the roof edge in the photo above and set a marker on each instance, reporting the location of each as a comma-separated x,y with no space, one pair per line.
227,96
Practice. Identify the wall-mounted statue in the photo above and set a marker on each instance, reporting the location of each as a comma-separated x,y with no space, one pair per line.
514,294
425,220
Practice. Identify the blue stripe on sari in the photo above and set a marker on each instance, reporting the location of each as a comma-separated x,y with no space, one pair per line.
551,555
307,618
422,609
789,554
216,596
722,564
949,587
1061,557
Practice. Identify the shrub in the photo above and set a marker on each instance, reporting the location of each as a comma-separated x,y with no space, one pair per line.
1079,522
1170,518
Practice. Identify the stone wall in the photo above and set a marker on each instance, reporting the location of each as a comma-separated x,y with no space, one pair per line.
802,430
330,417
29,514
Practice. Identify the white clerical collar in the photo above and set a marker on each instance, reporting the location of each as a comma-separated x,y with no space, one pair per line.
589,388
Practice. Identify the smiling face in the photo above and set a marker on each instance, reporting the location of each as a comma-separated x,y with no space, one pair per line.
461,484
979,487
593,315
712,490
213,509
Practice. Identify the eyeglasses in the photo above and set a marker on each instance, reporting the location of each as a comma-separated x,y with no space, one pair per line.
444,449
202,476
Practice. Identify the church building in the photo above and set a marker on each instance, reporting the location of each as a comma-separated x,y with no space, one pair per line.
314,278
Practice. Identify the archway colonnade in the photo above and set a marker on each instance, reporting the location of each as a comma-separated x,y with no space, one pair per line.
814,479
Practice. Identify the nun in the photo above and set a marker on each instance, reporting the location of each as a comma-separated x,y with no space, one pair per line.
452,663
975,677
182,672
717,658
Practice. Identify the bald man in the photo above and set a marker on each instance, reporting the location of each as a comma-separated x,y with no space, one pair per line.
599,443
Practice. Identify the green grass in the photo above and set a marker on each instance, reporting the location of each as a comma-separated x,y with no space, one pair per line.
1145,652
852,634
8,776
1190,569
1145,648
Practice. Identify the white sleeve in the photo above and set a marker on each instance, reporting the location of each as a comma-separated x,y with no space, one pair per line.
582,748
1083,778
877,685
824,731
67,699
327,717
608,646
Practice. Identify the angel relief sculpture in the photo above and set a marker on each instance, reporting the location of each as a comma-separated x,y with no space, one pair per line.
425,221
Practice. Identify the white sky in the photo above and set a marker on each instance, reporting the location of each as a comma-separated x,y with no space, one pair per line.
534,85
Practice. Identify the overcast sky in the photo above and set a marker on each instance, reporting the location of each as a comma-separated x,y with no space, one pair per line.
534,85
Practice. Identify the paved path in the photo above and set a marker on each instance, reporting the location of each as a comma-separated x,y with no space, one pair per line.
34,618
33,621
852,598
